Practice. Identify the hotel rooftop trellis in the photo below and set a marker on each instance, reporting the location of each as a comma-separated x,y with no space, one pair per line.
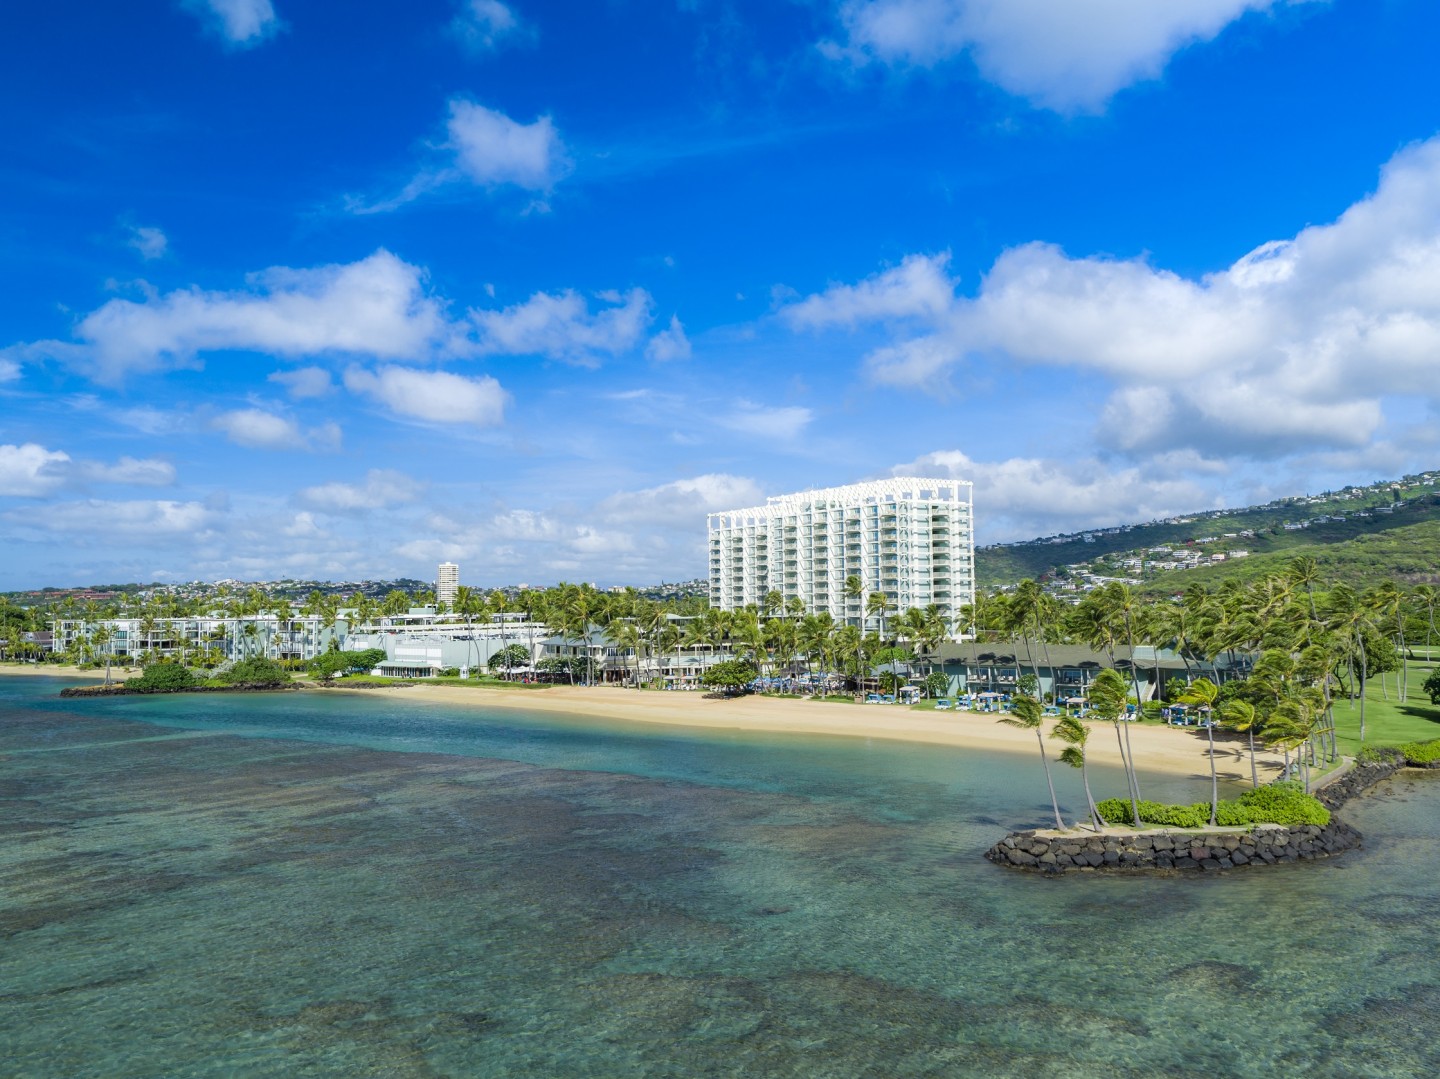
912,539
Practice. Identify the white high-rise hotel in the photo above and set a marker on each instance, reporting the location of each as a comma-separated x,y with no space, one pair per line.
447,583
912,539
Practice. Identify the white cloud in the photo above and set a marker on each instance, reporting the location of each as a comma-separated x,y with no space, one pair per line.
918,288
561,326
1295,346
1024,497
304,382
375,307
382,488
257,429
781,424
9,370
241,23
669,344
146,520
491,149
149,241
1066,55
481,25
30,469
681,503
435,396
131,471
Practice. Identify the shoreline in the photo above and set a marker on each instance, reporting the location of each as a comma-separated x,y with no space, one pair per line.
1172,751
1157,749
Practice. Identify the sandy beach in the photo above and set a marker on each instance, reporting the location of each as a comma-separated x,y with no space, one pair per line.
1158,749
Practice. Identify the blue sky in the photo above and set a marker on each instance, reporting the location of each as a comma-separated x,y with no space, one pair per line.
341,290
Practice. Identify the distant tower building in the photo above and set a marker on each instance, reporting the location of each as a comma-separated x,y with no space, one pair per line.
911,539
447,583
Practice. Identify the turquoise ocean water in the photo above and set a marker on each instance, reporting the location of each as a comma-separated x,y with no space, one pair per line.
351,886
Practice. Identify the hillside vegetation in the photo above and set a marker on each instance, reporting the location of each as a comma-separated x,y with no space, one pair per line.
1397,539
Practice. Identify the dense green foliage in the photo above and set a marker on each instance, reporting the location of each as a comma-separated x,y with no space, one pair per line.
162,678
1421,752
255,671
510,657
730,674
328,664
1432,686
1279,803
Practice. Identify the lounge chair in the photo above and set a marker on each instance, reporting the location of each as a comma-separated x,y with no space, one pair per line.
942,705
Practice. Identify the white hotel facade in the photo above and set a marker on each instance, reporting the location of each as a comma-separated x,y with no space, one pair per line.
912,539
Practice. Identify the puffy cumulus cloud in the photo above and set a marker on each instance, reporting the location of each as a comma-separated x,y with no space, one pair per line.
1066,55
561,326
681,503
781,424
432,396
382,489
304,382
482,25
376,307
491,149
669,344
257,429
1023,497
240,23
147,520
148,240
30,469
1295,346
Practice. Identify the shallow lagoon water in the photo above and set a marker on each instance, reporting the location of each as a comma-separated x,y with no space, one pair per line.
341,885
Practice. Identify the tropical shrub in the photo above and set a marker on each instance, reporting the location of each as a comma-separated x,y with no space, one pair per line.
255,671
1279,803
1284,803
1421,752
1432,686
162,678
729,674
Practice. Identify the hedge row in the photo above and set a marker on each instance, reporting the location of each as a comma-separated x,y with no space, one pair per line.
1279,803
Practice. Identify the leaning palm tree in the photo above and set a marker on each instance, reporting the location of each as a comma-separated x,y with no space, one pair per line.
1027,713
1107,695
1202,694
1241,716
1072,731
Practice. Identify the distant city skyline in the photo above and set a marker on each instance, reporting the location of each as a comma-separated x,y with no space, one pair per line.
297,290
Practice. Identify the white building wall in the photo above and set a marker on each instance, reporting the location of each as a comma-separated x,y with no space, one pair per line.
912,539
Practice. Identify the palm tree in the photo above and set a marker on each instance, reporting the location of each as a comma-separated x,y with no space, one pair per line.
1427,595
1075,734
1203,693
855,590
1107,695
877,604
1027,712
1241,716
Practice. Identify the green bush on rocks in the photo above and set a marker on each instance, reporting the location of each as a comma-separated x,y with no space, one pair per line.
1421,752
1278,803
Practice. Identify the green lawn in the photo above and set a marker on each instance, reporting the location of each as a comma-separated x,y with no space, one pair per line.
1388,722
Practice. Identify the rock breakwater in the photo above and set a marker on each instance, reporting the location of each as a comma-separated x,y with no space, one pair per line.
1204,850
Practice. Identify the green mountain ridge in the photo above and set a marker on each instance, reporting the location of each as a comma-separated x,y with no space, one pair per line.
1389,531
